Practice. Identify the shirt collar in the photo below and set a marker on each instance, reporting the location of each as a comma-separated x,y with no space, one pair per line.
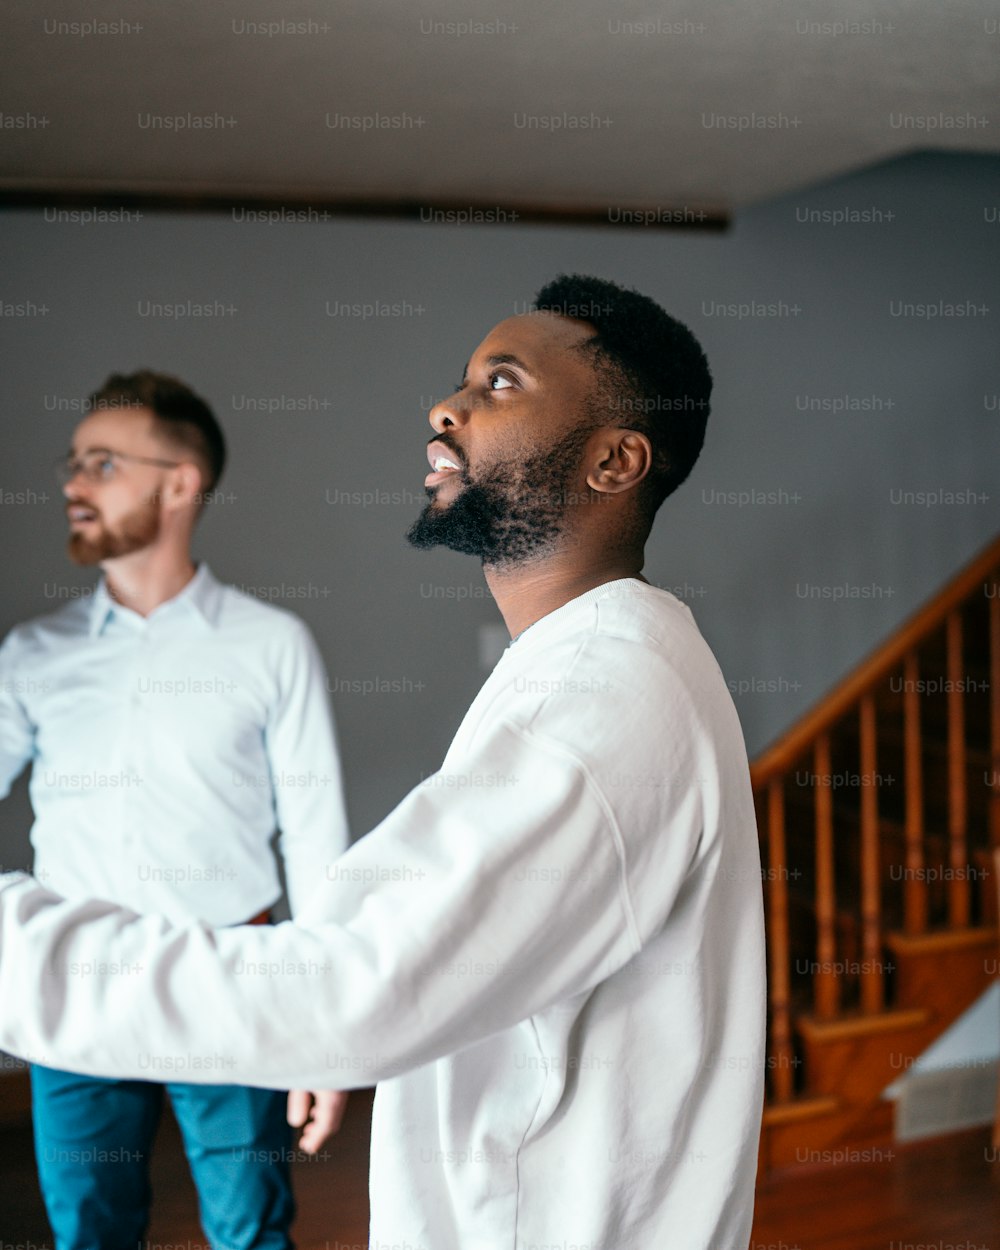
202,596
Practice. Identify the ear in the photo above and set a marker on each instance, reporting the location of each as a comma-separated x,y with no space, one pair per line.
623,458
182,489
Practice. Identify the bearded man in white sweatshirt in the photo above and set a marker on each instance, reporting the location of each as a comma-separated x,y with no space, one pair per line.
550,955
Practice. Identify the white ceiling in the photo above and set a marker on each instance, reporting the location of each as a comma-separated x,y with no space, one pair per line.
839,96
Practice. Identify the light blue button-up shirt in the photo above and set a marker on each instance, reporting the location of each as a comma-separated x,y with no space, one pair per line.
167,750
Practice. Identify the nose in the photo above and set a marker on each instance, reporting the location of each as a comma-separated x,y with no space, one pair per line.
69,486
448,415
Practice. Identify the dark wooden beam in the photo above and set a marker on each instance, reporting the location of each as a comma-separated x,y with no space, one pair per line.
325,208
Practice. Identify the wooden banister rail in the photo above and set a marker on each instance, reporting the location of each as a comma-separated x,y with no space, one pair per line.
783,754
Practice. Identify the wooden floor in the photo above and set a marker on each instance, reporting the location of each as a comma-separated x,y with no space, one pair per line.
934,1195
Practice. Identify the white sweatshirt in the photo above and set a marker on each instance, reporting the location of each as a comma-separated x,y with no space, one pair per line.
550,957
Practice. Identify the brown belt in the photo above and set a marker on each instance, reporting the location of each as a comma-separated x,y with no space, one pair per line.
263,917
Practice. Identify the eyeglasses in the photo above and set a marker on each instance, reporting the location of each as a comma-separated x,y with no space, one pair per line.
100,464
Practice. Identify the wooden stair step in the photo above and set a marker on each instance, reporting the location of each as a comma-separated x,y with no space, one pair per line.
859,1024
796,1110
848,1061
855,1055
939,941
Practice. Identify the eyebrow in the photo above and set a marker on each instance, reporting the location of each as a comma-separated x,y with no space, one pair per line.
503,358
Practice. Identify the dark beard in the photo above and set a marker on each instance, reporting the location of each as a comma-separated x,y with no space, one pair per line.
137,530
513,511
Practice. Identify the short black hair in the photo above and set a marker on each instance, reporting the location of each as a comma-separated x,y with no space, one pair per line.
181,415
656,376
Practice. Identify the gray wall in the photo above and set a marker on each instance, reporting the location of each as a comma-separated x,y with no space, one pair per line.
316,501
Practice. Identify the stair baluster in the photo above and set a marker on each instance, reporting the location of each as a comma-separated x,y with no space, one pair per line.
915,886
826,987
958,885
778,946
993,779
872,979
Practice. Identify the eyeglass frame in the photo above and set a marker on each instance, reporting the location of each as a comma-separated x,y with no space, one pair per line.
67,467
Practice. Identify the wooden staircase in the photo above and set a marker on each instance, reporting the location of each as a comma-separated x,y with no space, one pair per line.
878,812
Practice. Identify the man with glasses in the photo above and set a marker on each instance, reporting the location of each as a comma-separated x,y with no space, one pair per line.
173,724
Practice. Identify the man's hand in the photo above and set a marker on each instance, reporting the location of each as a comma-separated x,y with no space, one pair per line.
318,1113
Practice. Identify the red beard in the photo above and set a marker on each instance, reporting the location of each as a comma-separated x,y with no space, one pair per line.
137,530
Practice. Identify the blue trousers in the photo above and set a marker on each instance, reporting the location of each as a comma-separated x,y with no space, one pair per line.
92,1144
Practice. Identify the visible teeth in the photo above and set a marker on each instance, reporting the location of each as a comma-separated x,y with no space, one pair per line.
442,462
